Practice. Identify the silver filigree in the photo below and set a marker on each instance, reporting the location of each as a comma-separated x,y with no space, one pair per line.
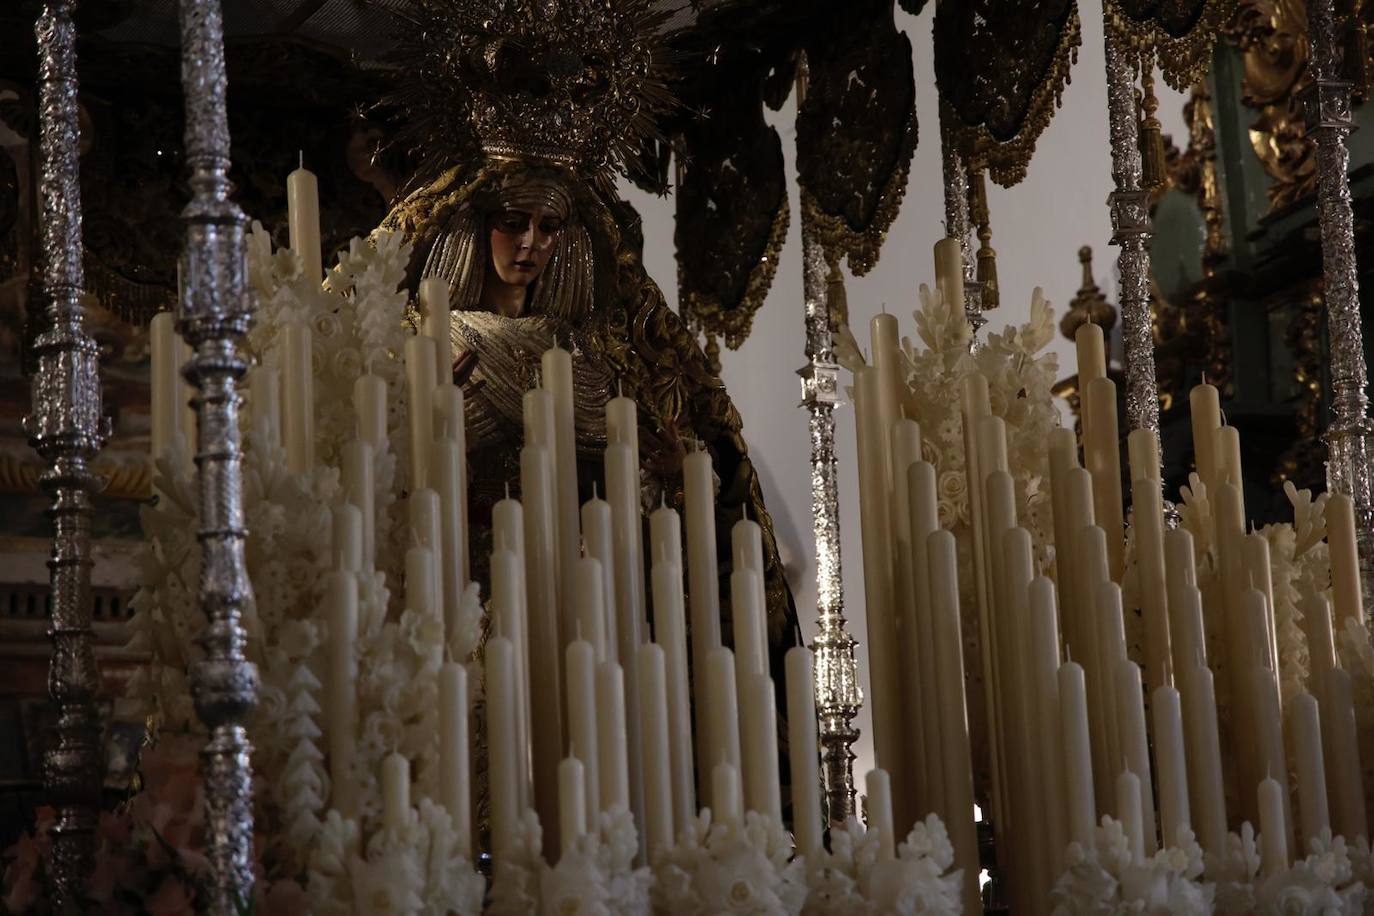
67,429
838,696
214,316
957,219
1348,435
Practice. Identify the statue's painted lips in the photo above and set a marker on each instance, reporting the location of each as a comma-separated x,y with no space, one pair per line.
525,265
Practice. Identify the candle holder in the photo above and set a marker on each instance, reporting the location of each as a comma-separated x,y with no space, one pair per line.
1348,436
214,318
67,429
838,696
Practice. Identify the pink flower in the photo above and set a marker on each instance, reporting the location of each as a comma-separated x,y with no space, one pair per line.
172,898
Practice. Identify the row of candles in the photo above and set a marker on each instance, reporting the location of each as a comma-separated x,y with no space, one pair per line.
1068,735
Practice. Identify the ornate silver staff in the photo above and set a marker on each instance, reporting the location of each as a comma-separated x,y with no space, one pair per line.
214,316
838,696
955,174
67,430
1348,436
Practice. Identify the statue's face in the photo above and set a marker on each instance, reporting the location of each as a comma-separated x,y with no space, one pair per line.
522,241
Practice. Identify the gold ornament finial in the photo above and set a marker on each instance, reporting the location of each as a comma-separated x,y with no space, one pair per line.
987,257
1153,171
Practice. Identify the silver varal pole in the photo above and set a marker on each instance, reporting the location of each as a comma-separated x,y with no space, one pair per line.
1349,432
214,316
957,224
67,429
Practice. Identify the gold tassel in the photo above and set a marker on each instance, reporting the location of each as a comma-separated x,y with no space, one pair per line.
1153,172
987,258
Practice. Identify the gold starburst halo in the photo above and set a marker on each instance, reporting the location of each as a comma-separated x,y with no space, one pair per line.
576,84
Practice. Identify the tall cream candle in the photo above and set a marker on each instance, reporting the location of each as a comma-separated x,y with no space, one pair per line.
303,221
420,375
1167,714
1321,640
449,419
1128,807
923,683
298,415
723,699
1341,753
904,448
1078,783
1042,684
597,535
611,740
545,639
803,749
655,750
359,489
1102,457
1068,518
623,493
264,398
878,787
1205,789
420,596
1270,755
1273,828
453,753
670,629
955,806
572,802
583,744
503,767
703,582
751,653
370,404
508,610
746,550
435,324
1255,558
395,792
1142,449
1347,602
759,746
1226,454
665,537
556,366
427,530
1092,353
1204,402
1307,749
346,546
1148,521
590,604
949,272
341,705
726,805
1135,749
447,476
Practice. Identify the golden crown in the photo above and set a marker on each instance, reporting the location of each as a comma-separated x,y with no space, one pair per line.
572,83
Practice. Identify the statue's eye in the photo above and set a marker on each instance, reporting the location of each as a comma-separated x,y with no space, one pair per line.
550,225
512,222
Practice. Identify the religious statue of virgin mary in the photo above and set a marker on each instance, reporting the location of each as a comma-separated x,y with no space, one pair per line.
521,113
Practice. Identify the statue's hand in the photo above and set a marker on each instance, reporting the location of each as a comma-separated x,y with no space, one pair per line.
463,367
662,452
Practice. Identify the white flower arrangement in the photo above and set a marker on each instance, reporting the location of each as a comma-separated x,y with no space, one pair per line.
852,879
1107,879
727,867
347,865
1325,883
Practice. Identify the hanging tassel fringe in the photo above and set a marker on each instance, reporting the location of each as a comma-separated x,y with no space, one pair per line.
1153,172
987,257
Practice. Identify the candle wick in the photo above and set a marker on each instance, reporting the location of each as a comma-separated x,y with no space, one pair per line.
620,388
594,494
507,489
302,157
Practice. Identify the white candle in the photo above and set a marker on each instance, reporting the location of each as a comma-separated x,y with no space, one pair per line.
1128,807
1170,758
1042,684
653,733
186,393
670,627
1078,783
622,492
165,386
759,746
360,490
509,613
1273,828
1142,450
556,366
1321,641
922,681
1102,457
665,536
803,748
1091,352
904,449
952,720
1347,602
420,595
298,417
1135,749
750,638
434,324
725,794
1307,747
545,640
724,706
420,404
622,421
303,221
427,530
395,792
611,737
369,402
1342,754
1255,558
704,582
341,704
949,272
1270,755
1226,454
1204,401
590,604
1063,464
453,753
347,540
596,531
1204,759
447,475
582,731
504,767
264,397
878,788
572,802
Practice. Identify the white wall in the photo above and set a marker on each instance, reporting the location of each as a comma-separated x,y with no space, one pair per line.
1038,227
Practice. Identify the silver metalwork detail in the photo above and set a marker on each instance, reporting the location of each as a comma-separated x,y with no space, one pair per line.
957,226
1348,435
214,317
838,696
67,429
